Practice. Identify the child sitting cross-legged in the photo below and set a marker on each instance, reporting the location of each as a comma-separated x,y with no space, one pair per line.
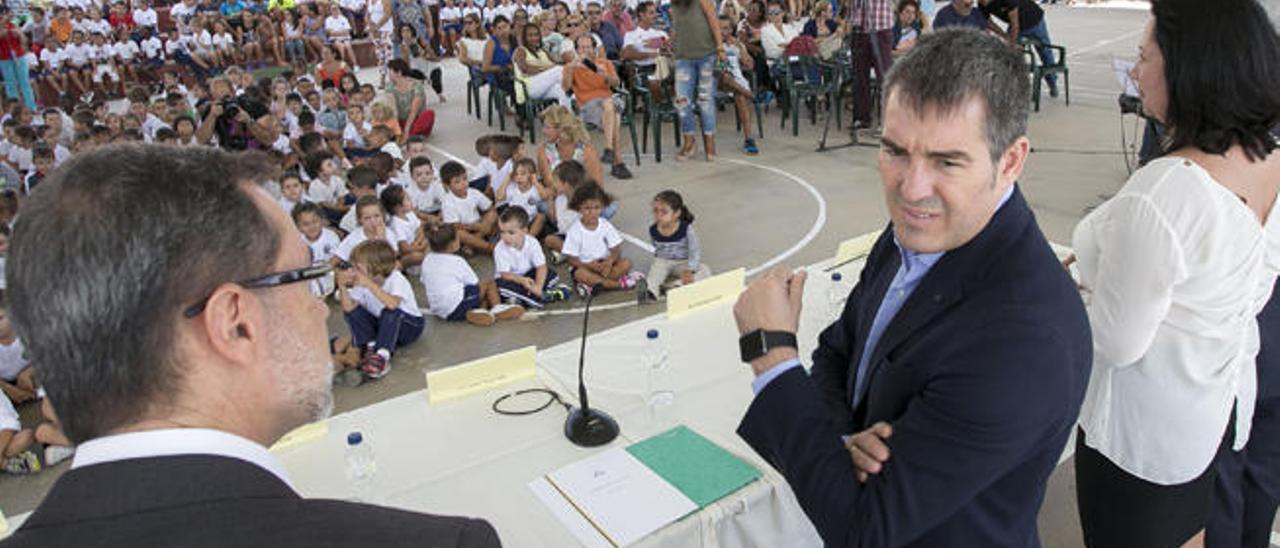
594,247
15,443
378,305
454,291
519,265
469,211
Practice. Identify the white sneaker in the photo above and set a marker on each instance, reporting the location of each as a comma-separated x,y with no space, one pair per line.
53,454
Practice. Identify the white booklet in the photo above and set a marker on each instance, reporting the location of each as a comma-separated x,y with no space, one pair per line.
611,499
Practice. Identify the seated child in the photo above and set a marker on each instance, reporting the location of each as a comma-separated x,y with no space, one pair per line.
404,229
322,240
17,377
454,291
327,187
361,181
378,305
677,258
355,133
594,247
527,193
381,139
291,191
469,211
373,226
384,116
519,265
15,443
496,160
426,192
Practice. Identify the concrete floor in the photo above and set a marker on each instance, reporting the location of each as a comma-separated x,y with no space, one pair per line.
755,210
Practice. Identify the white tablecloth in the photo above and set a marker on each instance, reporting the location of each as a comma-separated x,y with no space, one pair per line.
461,458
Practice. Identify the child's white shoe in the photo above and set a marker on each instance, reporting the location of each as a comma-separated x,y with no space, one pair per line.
506,312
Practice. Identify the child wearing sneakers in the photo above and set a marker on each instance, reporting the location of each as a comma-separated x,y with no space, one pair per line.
17,377
594,247
519,266
15,443
454,291
378,305
677,258
467,209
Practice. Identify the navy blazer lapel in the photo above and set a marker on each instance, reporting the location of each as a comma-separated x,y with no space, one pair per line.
874,296
944,285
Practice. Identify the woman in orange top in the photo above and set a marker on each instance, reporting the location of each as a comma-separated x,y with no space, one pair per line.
592,77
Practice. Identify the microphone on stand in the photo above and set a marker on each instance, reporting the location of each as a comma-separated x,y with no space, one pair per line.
587,427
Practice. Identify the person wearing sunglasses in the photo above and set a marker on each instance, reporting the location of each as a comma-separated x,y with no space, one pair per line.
175,348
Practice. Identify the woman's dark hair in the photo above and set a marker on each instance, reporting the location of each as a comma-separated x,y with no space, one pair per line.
676,203
401,67
1222,63
524,34
590,190
902,4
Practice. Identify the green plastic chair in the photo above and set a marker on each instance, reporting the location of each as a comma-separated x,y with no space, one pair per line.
724,98
655,113
528,111
1039,69
805,79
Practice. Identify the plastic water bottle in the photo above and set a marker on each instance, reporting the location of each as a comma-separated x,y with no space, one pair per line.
836,296
361,467
661,393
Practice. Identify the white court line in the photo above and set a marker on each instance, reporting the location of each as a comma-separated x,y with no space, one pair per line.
814,230
1106,43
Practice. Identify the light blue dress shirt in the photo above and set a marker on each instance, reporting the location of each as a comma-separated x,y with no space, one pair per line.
913,269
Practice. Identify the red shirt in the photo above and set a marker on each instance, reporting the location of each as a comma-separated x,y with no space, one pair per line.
118,21
11,43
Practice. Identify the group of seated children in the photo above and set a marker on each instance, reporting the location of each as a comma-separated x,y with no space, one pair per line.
405,219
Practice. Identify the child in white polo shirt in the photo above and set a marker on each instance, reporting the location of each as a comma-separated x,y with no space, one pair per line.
454,292
519,266
378,305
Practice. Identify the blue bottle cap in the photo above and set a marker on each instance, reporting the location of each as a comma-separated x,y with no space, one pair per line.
652,334
836,276
354,438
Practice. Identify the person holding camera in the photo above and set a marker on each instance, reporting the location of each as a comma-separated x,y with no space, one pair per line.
232,120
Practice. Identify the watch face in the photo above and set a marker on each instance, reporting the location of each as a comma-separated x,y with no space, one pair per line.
751,345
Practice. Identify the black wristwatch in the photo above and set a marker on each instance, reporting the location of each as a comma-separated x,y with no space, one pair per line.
757,343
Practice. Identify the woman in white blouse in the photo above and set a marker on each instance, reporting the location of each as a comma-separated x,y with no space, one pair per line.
1177,266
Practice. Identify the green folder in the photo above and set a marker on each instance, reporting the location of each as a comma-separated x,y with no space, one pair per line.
698,468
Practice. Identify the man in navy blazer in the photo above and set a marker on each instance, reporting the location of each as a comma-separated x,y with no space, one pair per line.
958,367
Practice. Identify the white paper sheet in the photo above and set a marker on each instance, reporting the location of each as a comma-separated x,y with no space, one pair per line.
574,521
621,497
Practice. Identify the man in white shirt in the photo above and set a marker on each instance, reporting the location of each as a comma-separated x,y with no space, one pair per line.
641,45
173,417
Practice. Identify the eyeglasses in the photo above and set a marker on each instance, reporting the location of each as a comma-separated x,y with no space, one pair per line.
277,279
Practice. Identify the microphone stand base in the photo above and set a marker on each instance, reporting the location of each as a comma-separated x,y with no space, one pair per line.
590,428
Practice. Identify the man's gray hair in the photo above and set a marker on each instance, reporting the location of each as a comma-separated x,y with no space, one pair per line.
947,68
106,255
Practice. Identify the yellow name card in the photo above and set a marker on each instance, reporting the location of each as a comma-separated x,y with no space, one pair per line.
481,375
303,434
855,248
686,299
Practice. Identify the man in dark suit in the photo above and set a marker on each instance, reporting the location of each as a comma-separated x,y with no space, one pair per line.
177,340
959,364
